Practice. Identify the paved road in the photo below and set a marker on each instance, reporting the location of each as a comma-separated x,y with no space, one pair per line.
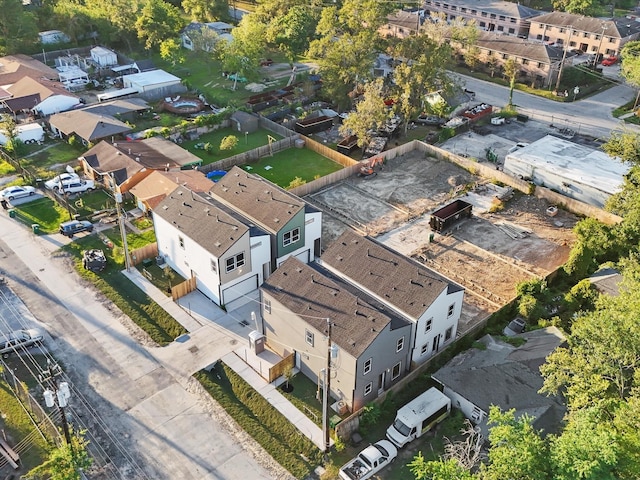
163,426
590,115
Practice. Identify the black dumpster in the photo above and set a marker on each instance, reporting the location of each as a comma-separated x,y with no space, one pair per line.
450,214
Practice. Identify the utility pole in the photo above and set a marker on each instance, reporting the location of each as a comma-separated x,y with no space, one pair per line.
123,232
595,60
327,392
57,394
564,56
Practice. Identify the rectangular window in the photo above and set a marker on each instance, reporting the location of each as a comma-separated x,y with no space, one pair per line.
267,306
424,349
500,28
367,367
512,20
572,44
428,325
447,334
512,31
400,344
395,373
493,15
451,309
525,61
562,30
290,237
540,65
367,389
505,56
181,242
585,35
234,262
214,266
502,17
308,337
539,36
483,24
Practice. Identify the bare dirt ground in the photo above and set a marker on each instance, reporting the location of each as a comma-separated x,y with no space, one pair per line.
394,207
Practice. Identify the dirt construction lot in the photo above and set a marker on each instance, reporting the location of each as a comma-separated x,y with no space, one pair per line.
487,254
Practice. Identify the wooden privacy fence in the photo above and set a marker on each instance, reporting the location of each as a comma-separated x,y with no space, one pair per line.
329,152
276,127
182,289
250,156
279,368
140,254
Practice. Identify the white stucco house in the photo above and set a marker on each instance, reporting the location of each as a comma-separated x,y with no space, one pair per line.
430,302
40,96
199,238
577,171
192,36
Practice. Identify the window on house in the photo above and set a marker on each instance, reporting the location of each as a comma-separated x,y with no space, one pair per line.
484,14
500,28
493,15
512,20
214,266
539,36
181,242
597,37
424,349
546,38
474,12
585,35
367,388
611,40
290,237
234,262
463,9
428,325
572,44
395,373
399,344
561,30
308,337
483,24
451,309
502,17
267,306
540,65
505,56
367,367
512,30
525,61
447,334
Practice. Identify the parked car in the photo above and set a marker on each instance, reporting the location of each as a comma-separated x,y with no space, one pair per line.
79,186
607,62
94,260
70,228
370,461
14,341
515,327
430,120
63,180
17,191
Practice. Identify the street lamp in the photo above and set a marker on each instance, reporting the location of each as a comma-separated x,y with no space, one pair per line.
57,394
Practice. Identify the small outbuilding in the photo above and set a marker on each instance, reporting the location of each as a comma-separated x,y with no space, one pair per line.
53,36
244,122
154,84
104,57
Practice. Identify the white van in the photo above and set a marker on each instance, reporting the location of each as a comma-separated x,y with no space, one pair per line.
418,417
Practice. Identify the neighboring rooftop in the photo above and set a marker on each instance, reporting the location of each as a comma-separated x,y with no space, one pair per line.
315,295
14,67
201,220
607,281
511,9
154,188
519,47
261,201
151,77
118,107
572,161
507,376
613,27
88,125
395,279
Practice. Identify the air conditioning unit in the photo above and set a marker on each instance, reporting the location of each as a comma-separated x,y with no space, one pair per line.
342,407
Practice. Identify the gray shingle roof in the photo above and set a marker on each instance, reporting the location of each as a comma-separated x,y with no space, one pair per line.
616,27
509,9
398,280
316,294
258,199
519,47
201,220
88,125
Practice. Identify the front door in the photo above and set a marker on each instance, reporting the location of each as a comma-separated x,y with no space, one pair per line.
436,343
381,382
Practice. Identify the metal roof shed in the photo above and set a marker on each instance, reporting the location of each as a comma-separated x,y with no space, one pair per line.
103,56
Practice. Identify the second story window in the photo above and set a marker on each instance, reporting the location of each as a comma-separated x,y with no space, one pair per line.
234,262
451,309
367,367
267,306
292,236
214,266
428,325
308,337
181,242
400,344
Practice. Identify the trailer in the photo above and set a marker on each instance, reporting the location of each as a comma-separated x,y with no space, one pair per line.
308,125
448,215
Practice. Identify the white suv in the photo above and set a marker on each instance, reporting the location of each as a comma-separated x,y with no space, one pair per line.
79,186
62,180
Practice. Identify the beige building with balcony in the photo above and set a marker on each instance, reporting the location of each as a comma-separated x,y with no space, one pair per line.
591,35
492,16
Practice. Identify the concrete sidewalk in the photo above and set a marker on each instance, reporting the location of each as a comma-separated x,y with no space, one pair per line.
213,329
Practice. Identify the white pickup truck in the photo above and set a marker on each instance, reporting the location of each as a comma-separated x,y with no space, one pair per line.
369,461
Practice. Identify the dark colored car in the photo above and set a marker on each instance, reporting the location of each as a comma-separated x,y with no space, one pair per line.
70,228
94,260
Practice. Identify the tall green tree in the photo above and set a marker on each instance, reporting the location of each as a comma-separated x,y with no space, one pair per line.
206,10
516,449
65,462
580,7
171,51
437,469
630,68
370,114
157,21
292,32
511,70
241,55
18,29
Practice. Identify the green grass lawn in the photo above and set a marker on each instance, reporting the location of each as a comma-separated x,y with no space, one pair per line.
52,155
245,143
304,398
288,164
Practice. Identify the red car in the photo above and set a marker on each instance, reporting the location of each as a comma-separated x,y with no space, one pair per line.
607,62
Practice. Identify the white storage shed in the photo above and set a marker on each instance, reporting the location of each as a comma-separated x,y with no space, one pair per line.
104,57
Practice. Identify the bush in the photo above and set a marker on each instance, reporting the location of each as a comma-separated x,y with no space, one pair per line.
369,417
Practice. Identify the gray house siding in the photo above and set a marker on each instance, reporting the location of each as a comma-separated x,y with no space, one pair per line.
296,222
241,247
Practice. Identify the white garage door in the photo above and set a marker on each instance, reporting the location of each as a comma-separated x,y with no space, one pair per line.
303,256
239,289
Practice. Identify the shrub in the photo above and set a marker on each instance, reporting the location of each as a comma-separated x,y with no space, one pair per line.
229,142
369,416
296,182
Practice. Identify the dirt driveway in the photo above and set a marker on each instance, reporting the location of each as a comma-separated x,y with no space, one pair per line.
479,253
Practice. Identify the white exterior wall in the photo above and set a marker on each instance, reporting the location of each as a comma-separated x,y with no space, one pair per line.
464,405
438,311
56,104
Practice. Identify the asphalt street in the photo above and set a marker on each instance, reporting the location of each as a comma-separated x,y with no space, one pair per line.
591,115
154,422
